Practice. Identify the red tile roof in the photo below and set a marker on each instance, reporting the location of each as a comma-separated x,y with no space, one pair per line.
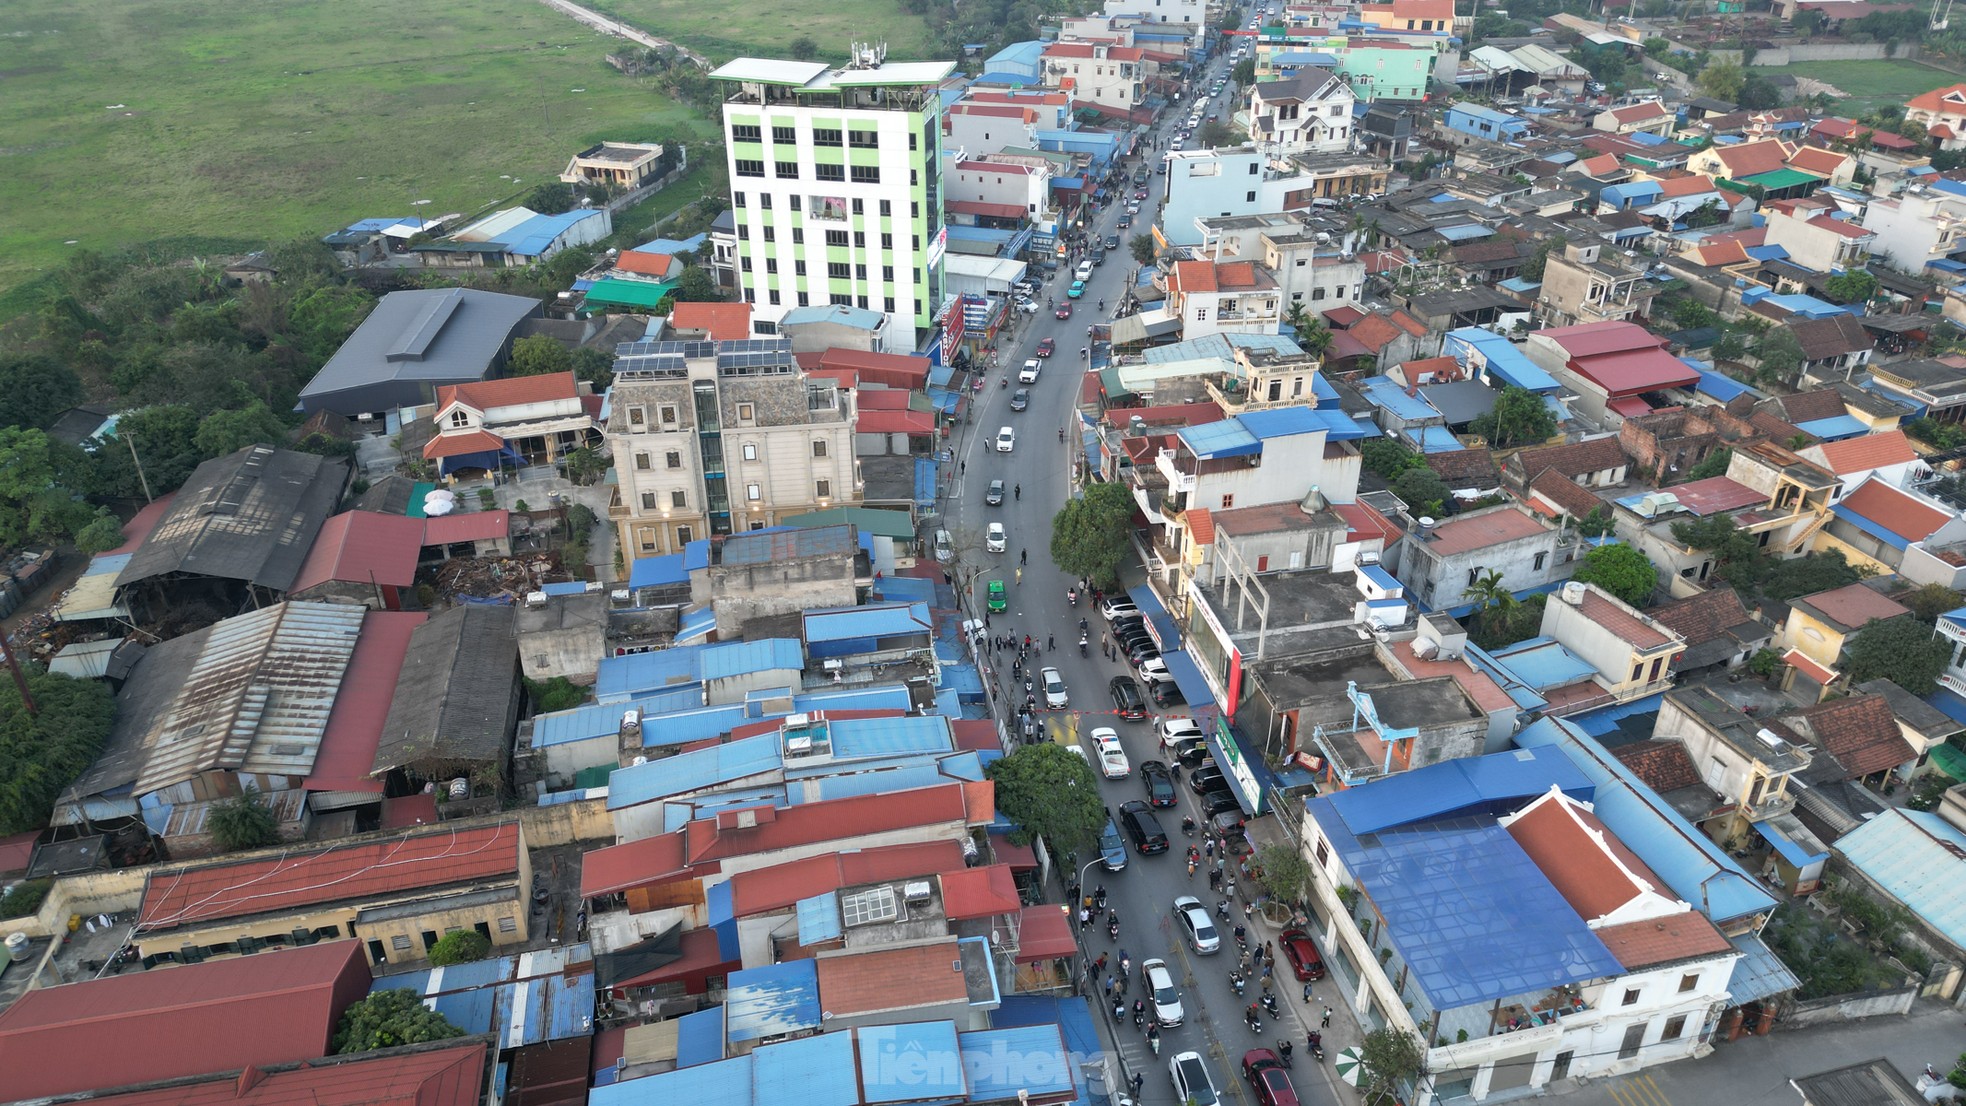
512,391
445,1077
1595,339
641,863
176,897
1483,530
354,729
877,421
1629,628
1663,765
363,547
273,1008
644,264
865,982
1951,98
1860,732
1654,942
1201,526
710,839
763,890
1854,455
1815,159
1707,616
1365,522
1166,414
1593,871
1565,495
1750,158
1194,276
468,526
1716,495
1849,607
979,892
1635,113
1895,510
723,322
462,444
1674,187
1796,659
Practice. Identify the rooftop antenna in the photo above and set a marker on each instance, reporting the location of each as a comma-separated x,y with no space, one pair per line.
867,55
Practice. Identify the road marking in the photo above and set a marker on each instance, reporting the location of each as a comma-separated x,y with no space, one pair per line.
1639,1090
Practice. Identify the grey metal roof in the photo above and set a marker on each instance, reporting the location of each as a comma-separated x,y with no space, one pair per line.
249,516
1870,1083
456,698
444,335
1461,400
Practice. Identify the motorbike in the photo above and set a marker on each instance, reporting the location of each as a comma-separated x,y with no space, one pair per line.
1188,829
1283,1050
1072,596
1222,910
1113,928
1102,305
1153,1038
1254,1022
977,384
1003,382
1237,981
1085,646
1242,938
1316,1041
1270,1004
1139,1012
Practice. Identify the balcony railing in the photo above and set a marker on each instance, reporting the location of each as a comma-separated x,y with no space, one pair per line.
1177,481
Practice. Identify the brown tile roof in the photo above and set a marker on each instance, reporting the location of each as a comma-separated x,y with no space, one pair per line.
483,395
724,322
1823,403
1465,468
1706,617
1194,276
1750,158
1629,628
892,978
1201,525
1653,942
1484,530
1375,332
1493,250
1587,864
1853,455
1637,113
1851,606
1860,732
1663,765
1775,427
1565,494
1832,337
1574,460
1897,511
1815,159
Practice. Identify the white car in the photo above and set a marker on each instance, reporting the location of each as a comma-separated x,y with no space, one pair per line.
1116,607
1112,756
1167,1000
1029,373
995,540
1084,271
1054,689
1176,729
1154,671
1027,306
1192,1083
1006,438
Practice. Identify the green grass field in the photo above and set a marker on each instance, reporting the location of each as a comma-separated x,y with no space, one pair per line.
131,121
722,31
1869,84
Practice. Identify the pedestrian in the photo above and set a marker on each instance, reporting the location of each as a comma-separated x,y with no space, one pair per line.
1231,889
1105,643
1027,641
1125,982
1051,643
1102,963
1269,952
1325,1022
986,620
1085,919
962,468
1020,577
1109,986
1266,972
1208,847
1309,995
1249,910
1214,880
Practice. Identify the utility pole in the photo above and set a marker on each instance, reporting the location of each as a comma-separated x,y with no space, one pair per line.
20,680
131,441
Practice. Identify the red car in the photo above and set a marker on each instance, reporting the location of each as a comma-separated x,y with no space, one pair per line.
1064,310
1046,346
1265,1073
1302,954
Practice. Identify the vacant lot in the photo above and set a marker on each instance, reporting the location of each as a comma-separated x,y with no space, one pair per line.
129,121
1869,84
722,31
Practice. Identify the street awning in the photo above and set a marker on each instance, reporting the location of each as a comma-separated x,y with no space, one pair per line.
1226,755
1797,855
1187,676
1044,932
985,210
1145,598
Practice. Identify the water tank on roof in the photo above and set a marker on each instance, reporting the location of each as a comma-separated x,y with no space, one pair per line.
18,947
460,789
1573,593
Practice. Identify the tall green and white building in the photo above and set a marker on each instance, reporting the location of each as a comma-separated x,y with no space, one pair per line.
836,188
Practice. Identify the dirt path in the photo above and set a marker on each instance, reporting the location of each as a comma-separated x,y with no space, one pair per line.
611,26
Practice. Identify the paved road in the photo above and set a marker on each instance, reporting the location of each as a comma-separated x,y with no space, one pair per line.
608,25
1143,894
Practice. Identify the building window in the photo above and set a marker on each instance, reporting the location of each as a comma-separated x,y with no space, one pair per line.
752,493
890,303
1473,575
646,537
1688,982
638,416
1249,197
750,451
836,238
860,273
1631,998
747,167
798,268
783,134
508,924
819,447
1541,560
829,172
914,209
677,499
1228,502
824,488
667,413
1675,1028
822,136
1638,671
673,459
887,208
772,295
859,237
1323,852
744,132
838,270
746,412
804,300
642,462
1657,664
771,265
743,233
796,203
684,535
769,234
1317,293
867,174
798,236
859,207
764,200
648,501
887,273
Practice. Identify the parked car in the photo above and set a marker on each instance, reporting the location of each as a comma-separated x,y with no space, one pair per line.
945,546
1155,671
1126,698
1196,925
1302,954
1158,782
1176,728
1205,780
1138,820
1167,693
1268,1078
1116,607
1112,846
1220,801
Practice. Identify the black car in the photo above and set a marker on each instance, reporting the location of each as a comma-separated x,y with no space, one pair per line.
1142,653
1165,693
1097,257
1159,784
1140,824
1113,240
1130,640
1192,753
1020,399
1219,802
1126,698
1204,780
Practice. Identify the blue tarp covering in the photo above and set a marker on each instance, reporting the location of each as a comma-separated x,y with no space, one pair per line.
924,483
650,571
1795,854
1719,385
1835,429
1949,704
772,1000
1071,1015
1542,664
1484,786
1432,439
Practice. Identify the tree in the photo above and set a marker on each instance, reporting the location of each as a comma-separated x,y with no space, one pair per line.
102,534
1779,354
1721,80
1215,133
696,285
1089,535
1736,553
1807,23
1487,593
1049,792
1597,524
1387,457
1808,575
1519,416
1902,650
595,366
1931,601
1422,491
1244,73
223,432
243,822
1851,286
538,355
1392,1059
551,198
164,437
804,48
1714,464
1284,873
1691,314
1759,93
1142,246
1532,267
1621,570
35,389
36,478
1730,346
460,947
386,1019
40,754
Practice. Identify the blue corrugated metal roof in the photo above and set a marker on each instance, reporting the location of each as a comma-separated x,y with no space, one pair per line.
1283,422
910,1061
1466,232
1543,664
1835,429
1227,438
1759,973
619,679
857,623
1001,1062
696,626
771,1000
1433,439
525,999
650,571
694,771
819,919
1383,391
1501,357
1493,784
925,482
1915,856
600,720
1791,850
723,1083
1187,676
819,1070
905,589
1690,863
700,1038
743,658
1719,385
536,235
854,738
1073,1016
